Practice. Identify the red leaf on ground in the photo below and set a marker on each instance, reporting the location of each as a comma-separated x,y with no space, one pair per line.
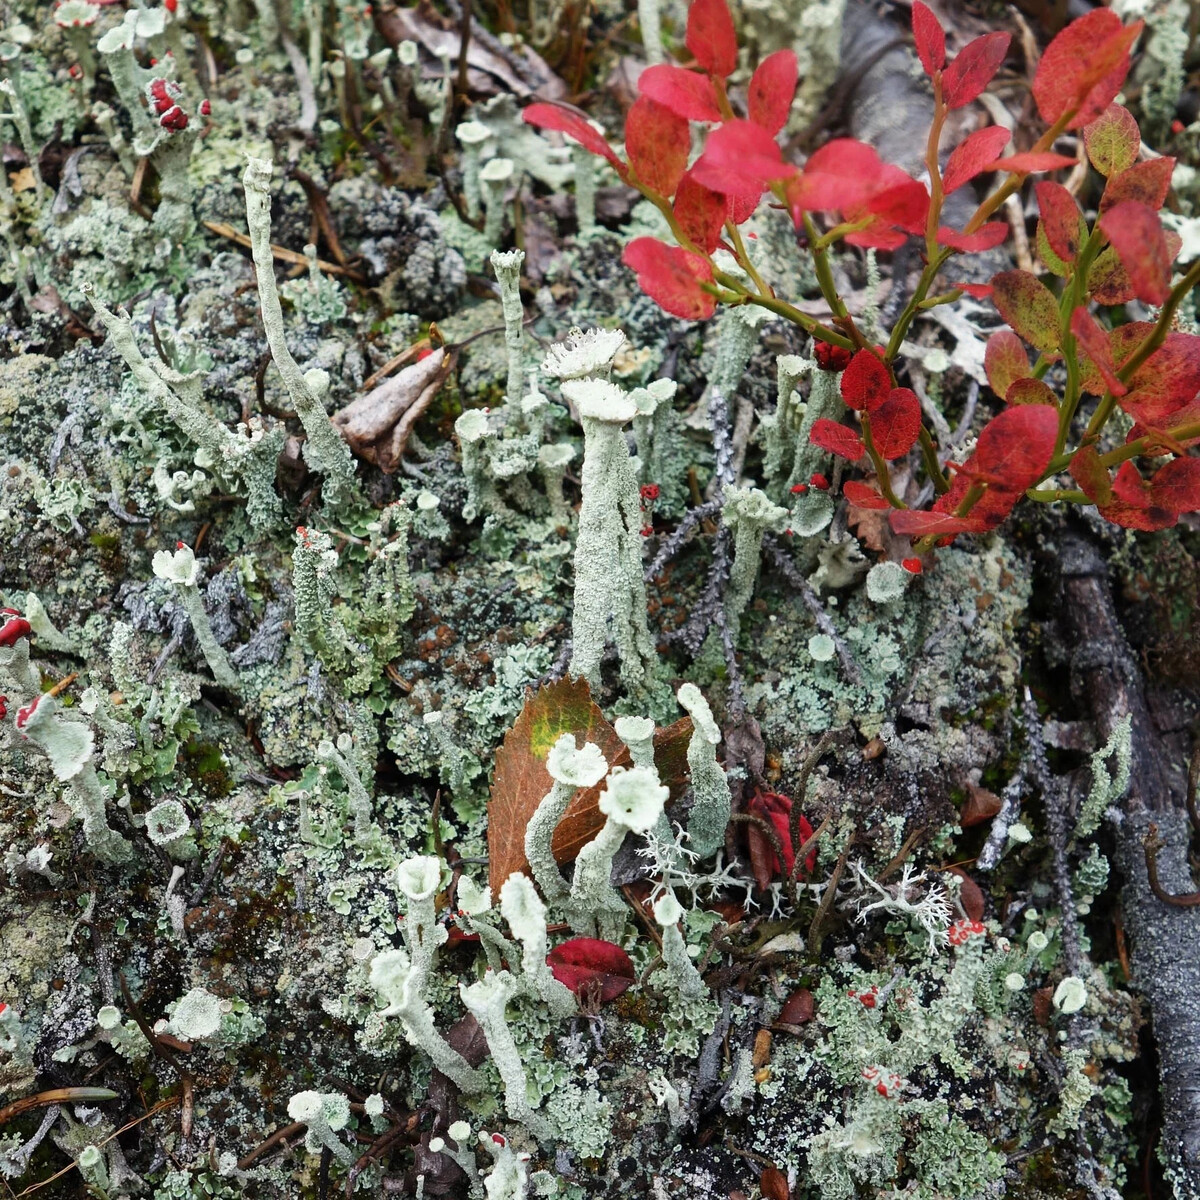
772,86
981,805
930,39
777,809
1083,67
1093,342
686,93
555,116
973,69
672,277
1112,140
972,156
584,964
987,237
862,495
1028,164
741,158
865,382
837,439
896,423
700,212
1005,361
657,144
1136,234
1029,307
1148,183
711,37
1061,219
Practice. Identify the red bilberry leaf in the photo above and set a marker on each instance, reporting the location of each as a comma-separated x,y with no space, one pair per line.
987,237
772,86
1029,391
861,495
1093,342
701,212
1030,163
1176,486
1016,445
740,158
913,522
1062,221
711,37
1108,281
1136,234
1112,140
896,423
865,382
967,76
1127,501
899,201
1147,183
584,964
672,277
1166,381
929,36
1029,307
1165,436
981,291
657,144
1005,361
841,174
1083,67
972,156
686,93
564,120
742,205
837,439
776,809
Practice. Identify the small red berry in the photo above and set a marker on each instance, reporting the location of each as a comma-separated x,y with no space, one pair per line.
912,565
832,358
819,481
798,489
205,108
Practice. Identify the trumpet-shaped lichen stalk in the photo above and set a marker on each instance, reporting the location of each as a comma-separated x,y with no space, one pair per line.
357,797
393,978
473,434
782,426
750,515
710,789
609,590
571,768
584,162
473,903
638,735
651,25
507,265
471,136
685,979
553,461
419,879
525,913
495,176
324,1113
632,802
181,569
325,450
487,1000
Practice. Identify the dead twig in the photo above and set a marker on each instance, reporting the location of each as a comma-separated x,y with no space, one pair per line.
1152,843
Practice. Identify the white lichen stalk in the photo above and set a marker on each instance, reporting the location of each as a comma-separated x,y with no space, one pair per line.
525,913
507,265
181,569
609,589
685,979
712,802
419,879
750,514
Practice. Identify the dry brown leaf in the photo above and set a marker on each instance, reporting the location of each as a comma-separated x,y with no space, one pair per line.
981,806
521,778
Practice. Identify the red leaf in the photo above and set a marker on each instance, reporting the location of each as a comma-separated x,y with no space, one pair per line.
710,36
1029,391
1166,381
896,423
1005,361
686,93
930,39
973,154
657,144
1028,164
987,237
973,69
1136,234
981,291
701,213
1083,68
912,522
740,158
1016,445
865,382
863,496
1061,219
841,174
554,116
1148,183
672,277
777,809
1108,282
1029,307
900,200
1164,436
1176,486
1093,341
837,439
772,86
1112,140
584,964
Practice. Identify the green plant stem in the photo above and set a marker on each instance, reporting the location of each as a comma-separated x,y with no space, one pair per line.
877,460
743,257
1051,495
824,273
936,196
929,455
1072,298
